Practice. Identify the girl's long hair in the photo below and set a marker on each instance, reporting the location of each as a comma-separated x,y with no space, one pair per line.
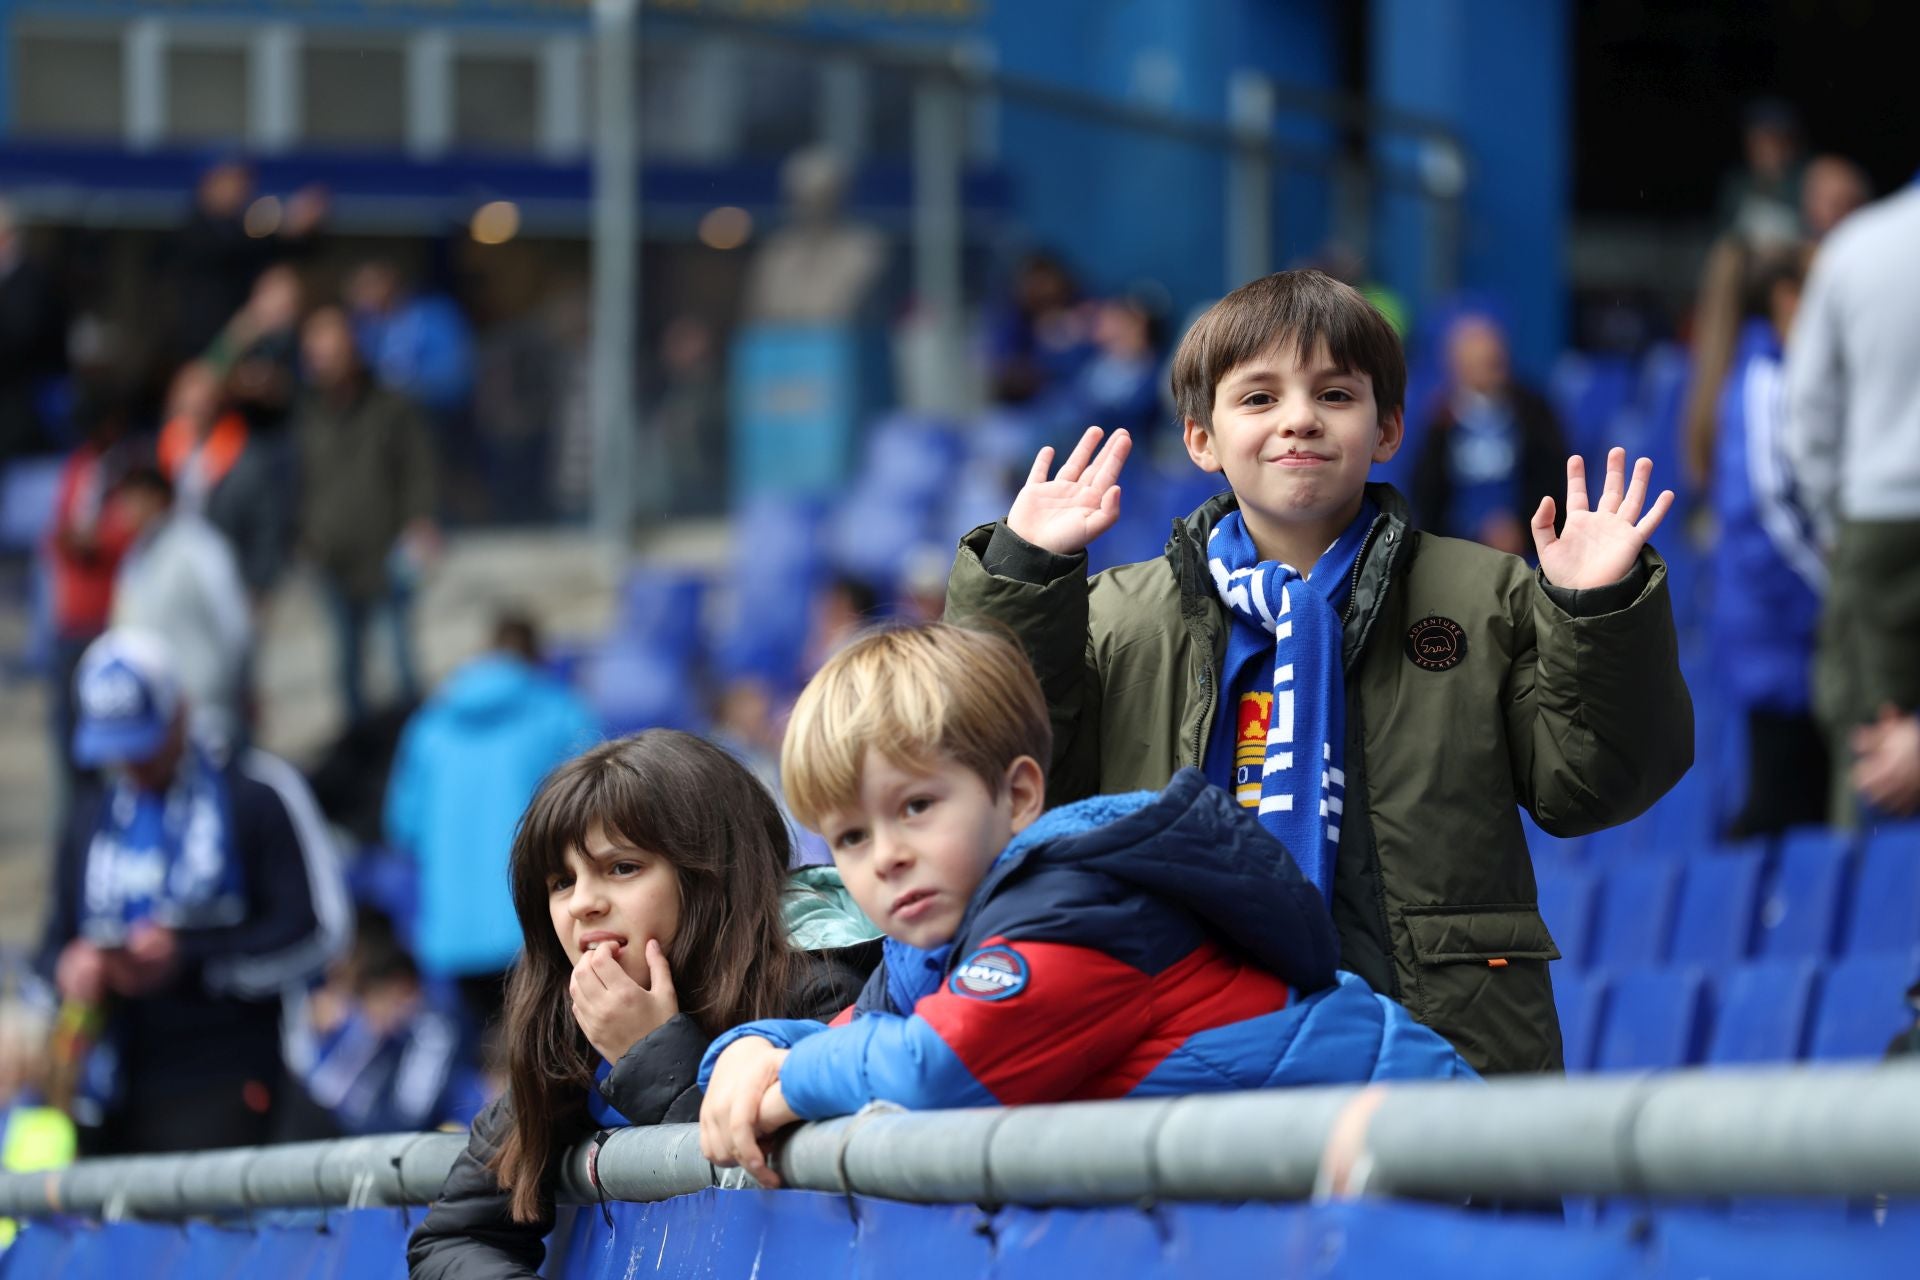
681,798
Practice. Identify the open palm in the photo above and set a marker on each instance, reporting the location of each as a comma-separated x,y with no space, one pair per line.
1598,545
1081,502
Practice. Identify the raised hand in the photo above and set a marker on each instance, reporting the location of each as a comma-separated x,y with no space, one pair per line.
1079,503
1598,545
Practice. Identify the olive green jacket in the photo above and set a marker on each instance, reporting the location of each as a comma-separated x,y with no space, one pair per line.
1473,689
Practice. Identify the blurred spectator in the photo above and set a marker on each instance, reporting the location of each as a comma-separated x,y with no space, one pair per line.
217,255
1119,387
1833,187
923,584
186,901
181,582
820,268
689,418
33,336
421,345
369,1049
1493,449
259,351
1765,604
839,610
468,762
1853,435
417,343
89,536
520,372
217,471
1040,337
1761,202
367,471
748,722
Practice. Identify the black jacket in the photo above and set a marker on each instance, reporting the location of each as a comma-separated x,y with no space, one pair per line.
1542,468
468,1233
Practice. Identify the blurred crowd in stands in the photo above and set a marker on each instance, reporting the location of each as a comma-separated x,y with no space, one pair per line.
288,405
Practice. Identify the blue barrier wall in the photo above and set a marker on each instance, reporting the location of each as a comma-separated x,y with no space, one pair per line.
799,1235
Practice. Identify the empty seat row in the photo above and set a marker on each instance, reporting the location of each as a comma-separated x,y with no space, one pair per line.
1813,897
1763,1011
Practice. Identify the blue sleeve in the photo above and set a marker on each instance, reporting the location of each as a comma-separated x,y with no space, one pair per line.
882,1056
781,1033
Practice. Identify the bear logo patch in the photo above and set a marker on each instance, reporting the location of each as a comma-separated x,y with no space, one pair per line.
1436,644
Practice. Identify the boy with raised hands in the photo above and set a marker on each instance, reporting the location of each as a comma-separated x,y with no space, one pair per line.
1384,699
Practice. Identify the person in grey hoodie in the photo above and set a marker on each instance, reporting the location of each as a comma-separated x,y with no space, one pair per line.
1853,440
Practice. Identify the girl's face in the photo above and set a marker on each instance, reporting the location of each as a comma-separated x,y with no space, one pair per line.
613,893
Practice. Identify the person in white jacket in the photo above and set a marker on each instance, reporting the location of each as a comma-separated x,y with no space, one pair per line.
181,581
1853,439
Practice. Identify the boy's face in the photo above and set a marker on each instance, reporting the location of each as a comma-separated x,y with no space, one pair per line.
917,840
1296,438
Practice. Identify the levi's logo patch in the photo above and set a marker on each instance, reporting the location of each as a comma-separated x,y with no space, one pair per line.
991,973
1436,644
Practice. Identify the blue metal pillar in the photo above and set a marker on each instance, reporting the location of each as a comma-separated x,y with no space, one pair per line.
1498,72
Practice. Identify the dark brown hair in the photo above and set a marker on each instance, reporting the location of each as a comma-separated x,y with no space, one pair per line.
686,800
1299,310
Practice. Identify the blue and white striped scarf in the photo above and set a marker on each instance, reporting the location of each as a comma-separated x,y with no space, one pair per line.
1283,668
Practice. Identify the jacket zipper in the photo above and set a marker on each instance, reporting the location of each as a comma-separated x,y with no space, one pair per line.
1353,583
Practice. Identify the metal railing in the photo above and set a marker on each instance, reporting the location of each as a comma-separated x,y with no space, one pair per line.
1842,1131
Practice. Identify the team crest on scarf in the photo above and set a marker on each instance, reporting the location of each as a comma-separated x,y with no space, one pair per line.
1284,662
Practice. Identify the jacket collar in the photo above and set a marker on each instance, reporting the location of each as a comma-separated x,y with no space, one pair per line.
1383,556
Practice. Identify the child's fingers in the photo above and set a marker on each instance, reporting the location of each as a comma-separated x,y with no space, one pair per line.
1076,462
1543,534
1616,482
1113,456
1576,483
1651,521
741,1137
659,973
1042,463
1636,498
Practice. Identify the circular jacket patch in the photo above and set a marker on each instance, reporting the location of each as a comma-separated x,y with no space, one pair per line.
1436,644
991,973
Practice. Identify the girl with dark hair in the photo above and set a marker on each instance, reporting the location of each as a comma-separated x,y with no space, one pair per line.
648,875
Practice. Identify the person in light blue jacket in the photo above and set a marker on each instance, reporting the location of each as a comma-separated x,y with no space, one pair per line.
468,762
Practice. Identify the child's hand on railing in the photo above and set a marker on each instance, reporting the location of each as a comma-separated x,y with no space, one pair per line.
734,1114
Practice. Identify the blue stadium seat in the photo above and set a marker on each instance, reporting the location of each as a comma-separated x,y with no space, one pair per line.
1718,891
1761,1015
1681,823
1578,996
1653,1020
1800,906
1863,1005
1566,904
1635,914
1886,898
